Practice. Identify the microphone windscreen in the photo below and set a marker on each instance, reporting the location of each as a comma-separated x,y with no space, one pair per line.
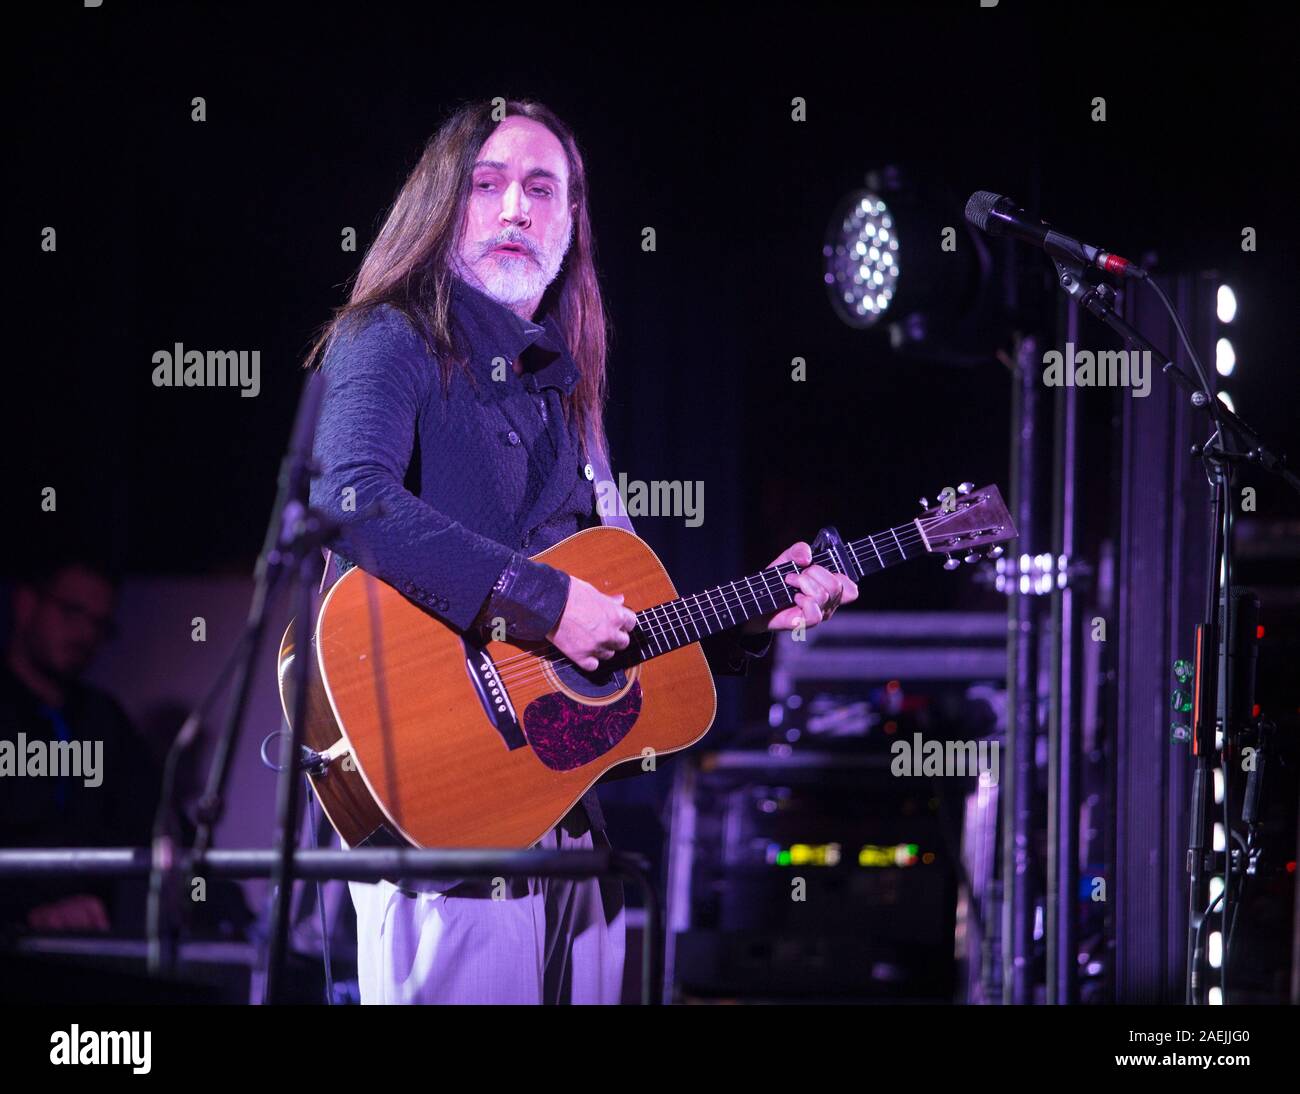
979,207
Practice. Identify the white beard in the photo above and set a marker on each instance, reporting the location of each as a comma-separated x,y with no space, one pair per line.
514,279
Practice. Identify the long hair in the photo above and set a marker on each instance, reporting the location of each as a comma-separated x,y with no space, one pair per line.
409,263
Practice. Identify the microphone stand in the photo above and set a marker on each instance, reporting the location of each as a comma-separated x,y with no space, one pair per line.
294,535
1099,300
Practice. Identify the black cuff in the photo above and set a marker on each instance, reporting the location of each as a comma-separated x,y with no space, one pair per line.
529,597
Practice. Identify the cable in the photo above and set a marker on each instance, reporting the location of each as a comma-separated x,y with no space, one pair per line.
310,759
1196,935
1201,374
313,821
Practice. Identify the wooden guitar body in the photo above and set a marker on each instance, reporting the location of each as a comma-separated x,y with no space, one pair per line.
435,739
439,740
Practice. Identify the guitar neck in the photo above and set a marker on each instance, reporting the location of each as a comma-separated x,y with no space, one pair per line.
675,623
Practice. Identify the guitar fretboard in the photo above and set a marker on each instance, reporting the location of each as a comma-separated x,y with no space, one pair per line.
677,623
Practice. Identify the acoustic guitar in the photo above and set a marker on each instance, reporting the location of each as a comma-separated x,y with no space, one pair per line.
433,738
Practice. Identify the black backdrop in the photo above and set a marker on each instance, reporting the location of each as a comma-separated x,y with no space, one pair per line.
226,234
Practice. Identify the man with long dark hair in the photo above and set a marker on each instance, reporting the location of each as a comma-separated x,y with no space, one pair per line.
478,428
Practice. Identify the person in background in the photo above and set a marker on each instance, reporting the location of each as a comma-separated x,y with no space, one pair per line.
62,615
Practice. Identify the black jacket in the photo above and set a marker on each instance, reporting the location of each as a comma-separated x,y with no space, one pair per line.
472,480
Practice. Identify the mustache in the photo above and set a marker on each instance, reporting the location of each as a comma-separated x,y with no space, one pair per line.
511,237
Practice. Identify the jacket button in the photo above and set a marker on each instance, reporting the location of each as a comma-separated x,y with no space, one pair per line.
589,471
512,437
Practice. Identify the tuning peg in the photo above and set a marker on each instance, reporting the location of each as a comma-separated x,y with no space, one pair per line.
951,564
971,556
924,503
965,487
994,552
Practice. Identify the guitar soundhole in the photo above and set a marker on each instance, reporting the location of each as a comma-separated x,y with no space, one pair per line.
565,733
604,681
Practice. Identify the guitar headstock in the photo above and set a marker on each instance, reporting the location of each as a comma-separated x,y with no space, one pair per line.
964,519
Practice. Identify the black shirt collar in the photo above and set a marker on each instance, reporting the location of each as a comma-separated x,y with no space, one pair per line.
493,331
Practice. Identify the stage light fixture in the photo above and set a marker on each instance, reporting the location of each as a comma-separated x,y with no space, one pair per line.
861,259
1226,304
1225,357
898,255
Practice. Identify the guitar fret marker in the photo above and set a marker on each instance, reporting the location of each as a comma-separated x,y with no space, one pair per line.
531,696
712,605
672,624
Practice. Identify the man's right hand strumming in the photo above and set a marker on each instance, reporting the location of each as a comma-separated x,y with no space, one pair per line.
593,626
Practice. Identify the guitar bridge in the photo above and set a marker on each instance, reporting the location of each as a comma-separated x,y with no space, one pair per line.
493,695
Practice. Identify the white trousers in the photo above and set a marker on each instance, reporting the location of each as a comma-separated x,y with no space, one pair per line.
541,940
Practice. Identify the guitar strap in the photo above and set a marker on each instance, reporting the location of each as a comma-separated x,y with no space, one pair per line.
325,572
602,474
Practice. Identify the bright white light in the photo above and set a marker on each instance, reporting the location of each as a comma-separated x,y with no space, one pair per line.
1226,400
1216,885
1227,304
855,266
1215,997
1225,357
1216,949
1220,841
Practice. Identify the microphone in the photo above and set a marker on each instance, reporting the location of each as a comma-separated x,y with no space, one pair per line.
1000,216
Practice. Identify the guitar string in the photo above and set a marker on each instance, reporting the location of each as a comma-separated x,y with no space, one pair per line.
673,617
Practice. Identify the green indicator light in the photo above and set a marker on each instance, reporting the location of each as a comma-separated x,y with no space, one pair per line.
783,858
912,848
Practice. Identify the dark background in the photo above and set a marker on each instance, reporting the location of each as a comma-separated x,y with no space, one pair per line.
225,234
